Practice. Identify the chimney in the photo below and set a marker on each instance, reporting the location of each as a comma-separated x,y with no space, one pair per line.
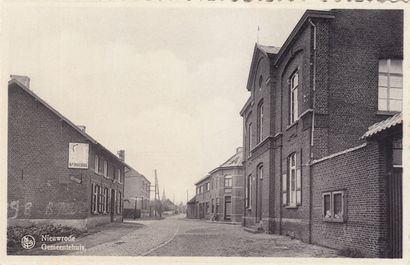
121,155
25,80
81,127
239,149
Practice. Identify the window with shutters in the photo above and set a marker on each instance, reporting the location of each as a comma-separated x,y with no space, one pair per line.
333,205
292,183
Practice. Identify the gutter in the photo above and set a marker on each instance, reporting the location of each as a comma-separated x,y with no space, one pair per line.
313,127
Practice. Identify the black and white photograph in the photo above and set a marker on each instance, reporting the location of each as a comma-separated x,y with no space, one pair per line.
174,131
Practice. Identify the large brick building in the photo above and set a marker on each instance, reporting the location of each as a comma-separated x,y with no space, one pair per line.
136,194
57,173
219,195
312,100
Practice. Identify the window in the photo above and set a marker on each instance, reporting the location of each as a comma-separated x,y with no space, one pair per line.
118,175
293,97
260,82
390,85
201,189
96,163
105,169
94,198
249,138
228,181
106,201
248,192
292,183
207,186
260,123
100,199
114,170
397,153
120,202
333,206
260,171
213,206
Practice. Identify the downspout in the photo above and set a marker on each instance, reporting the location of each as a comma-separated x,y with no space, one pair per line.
312,128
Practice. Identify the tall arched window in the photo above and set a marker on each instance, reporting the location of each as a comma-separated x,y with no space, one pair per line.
249,138
260,122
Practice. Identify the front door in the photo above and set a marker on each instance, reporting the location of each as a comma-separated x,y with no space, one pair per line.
395,218
112,204
228,208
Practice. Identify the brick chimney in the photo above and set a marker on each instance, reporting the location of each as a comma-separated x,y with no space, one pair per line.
81,127
25,80
121,155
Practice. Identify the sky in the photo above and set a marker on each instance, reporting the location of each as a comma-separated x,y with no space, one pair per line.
166,85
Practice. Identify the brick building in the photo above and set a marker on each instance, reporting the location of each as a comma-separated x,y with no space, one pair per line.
57,173
339,72
219,195
136,194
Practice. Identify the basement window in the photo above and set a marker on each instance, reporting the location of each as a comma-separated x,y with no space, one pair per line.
333,206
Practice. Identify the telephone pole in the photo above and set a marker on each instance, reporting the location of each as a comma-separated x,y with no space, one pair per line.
156,200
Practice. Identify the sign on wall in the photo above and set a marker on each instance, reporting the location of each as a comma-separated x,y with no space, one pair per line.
78,155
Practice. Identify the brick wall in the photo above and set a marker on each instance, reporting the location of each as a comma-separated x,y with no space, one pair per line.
40,184
357,173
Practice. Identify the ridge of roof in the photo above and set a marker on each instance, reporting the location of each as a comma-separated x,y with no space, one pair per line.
62,117
308,14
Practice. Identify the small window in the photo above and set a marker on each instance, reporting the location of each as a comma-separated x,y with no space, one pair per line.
260,123
228,181
333,206
94,198
107,202
119,175
390,85
207,186
293,97
96,163
292,183
397,153
105,169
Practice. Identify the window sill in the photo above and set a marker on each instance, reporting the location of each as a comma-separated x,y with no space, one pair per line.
332,220
387,113
291,125
291,207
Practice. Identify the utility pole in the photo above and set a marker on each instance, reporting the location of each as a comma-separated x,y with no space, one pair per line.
156,200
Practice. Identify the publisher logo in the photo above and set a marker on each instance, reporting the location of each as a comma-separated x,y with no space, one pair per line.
28,242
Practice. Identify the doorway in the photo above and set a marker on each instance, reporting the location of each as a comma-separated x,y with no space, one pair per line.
228,208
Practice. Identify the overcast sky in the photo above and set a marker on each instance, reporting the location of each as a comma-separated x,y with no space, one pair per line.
166,85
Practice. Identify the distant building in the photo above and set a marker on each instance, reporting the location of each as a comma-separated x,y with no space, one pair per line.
219,195
309,173
57,173
136,195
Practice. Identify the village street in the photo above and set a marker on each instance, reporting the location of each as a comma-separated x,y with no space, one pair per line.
178,236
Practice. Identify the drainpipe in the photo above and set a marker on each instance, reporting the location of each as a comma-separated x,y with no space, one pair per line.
313,127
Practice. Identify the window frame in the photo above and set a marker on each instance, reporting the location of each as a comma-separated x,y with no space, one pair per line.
293,97
259,129
105,169
96,163
332,217
230,181
389,74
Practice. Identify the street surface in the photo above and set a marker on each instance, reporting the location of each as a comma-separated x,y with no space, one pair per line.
178,236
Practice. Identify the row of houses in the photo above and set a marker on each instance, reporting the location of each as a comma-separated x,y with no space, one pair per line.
59,174
322,134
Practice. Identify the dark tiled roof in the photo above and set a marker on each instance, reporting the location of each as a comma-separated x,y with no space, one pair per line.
62,117
383,125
